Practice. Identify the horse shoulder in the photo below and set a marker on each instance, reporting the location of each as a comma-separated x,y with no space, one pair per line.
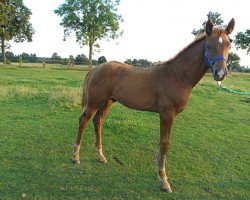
172,95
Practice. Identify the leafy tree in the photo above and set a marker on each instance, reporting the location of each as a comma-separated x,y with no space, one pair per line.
128,61
33,58
91,20
139,62
242,40
10,57
63,61
56,57
134,62
102,59
81,59
233,61
25,57
144,63
95,62
14,23
216,19
71,61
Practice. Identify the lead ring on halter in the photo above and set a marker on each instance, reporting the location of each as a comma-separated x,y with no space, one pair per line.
209,61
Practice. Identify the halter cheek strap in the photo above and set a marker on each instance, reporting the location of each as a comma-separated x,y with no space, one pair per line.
209,61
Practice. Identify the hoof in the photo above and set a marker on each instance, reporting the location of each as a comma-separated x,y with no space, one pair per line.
76,161
103,160
168,189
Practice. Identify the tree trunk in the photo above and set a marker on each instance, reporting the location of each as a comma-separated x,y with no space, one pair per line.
3,51
20,60
90,55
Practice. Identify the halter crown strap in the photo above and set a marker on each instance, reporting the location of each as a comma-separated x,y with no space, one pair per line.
209,61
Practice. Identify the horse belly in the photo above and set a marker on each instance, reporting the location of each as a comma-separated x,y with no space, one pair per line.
136,98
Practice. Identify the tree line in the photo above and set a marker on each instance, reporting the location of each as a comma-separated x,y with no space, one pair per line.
80,59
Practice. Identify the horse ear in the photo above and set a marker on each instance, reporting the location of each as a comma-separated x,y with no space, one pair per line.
209,27
230,26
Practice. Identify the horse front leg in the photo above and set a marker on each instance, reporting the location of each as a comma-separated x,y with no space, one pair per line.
166,122
83,122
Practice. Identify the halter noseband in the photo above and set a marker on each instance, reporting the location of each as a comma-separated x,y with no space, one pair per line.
209,61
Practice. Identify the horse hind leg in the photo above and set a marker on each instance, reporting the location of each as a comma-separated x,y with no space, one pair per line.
98,122
83,122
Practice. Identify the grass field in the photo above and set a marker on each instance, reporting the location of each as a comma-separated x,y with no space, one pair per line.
39,110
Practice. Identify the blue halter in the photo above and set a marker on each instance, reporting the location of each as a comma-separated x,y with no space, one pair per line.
209,61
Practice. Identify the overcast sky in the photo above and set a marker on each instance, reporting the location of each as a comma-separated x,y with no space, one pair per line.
153,29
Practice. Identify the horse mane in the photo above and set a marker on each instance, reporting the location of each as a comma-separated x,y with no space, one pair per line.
197,39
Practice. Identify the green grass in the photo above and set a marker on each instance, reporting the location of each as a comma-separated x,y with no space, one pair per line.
47,65
39,110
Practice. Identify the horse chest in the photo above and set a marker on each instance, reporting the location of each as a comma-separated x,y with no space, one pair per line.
174,98
181,101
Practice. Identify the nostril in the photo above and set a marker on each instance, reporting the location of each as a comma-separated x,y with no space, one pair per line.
220,74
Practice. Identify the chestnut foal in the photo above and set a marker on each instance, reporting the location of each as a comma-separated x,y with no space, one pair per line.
164,88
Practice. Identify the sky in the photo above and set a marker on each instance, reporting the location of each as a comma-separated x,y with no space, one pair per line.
155,30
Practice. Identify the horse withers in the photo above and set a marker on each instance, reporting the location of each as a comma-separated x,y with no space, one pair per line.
164,89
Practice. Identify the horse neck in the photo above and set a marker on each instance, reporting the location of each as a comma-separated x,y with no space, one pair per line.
190,65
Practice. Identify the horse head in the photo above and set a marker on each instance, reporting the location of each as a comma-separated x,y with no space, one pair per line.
217,48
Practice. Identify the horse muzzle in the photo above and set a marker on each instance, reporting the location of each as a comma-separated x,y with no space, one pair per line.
220,75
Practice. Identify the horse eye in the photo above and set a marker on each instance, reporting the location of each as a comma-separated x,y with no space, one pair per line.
231,40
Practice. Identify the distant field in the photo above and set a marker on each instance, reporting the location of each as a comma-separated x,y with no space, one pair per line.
47,65
39,110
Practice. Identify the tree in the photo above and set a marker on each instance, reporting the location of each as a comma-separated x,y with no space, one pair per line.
216,19
81,59
128,61
233,61
95,62
10,57
25,57
139,62
101,60
91,20
33,58
71,61
14,23
242,40
134,62
144,63
56,57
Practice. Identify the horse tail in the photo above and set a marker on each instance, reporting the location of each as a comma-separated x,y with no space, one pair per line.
85,86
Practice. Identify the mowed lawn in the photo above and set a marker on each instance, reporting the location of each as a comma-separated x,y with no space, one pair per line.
39,111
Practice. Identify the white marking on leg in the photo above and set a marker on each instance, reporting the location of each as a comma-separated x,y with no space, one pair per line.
76,154
101,156
76,149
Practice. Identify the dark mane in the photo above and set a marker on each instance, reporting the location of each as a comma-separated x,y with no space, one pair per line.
197,40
